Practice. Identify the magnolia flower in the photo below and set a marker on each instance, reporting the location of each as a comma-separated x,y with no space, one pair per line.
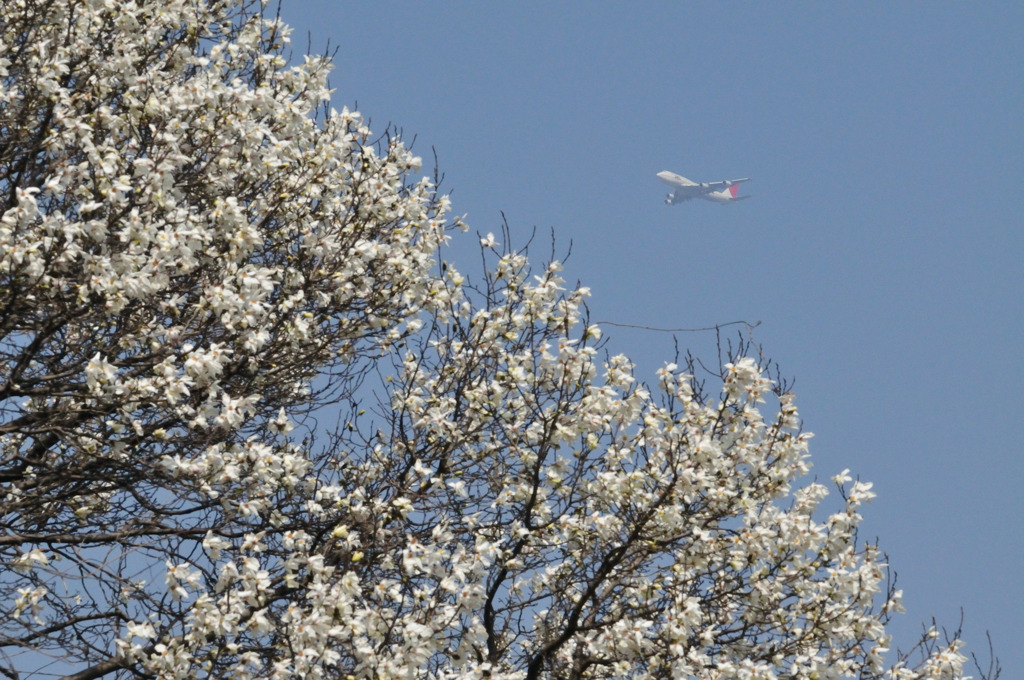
28,561
98,373
143,630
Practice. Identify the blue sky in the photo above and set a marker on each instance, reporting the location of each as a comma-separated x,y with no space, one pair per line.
882,249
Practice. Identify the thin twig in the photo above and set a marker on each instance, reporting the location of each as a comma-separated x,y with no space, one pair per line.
750,326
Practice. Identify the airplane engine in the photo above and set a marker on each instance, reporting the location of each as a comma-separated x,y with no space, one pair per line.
668,200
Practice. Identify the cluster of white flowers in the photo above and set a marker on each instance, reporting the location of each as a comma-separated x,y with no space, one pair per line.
180,196
196,254
637,535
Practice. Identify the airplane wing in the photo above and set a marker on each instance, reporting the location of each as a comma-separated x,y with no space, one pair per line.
724,184
679,195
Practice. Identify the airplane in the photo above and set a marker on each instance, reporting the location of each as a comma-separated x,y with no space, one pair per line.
719,192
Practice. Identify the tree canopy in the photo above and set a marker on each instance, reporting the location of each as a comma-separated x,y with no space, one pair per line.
252,424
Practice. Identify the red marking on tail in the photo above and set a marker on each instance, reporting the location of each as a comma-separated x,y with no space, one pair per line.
732,190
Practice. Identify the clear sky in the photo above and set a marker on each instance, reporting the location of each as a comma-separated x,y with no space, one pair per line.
882,250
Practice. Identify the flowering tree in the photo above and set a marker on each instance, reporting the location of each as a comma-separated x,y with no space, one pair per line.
249,426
